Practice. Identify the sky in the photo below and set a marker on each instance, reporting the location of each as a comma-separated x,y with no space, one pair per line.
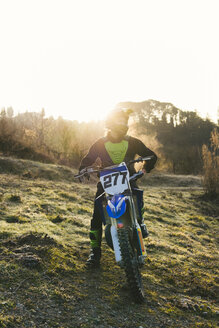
79,58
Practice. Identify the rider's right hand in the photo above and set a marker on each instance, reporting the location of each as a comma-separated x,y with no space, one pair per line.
85,175
81,178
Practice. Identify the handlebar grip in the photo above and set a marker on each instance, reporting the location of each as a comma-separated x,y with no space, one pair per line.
141,175
137,176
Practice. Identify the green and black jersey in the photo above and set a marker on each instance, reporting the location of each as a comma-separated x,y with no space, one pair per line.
111,153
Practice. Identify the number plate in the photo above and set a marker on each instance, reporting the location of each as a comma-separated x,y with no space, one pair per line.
115,180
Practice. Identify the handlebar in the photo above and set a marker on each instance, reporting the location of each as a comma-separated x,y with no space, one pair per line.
141,159
88,170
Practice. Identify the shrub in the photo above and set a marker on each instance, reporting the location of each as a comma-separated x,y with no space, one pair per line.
211,165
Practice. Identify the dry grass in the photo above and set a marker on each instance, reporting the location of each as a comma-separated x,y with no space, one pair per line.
44,243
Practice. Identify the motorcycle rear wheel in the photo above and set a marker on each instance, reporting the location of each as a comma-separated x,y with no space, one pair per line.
130,264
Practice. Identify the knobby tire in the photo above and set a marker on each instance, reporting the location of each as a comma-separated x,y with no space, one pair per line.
130,265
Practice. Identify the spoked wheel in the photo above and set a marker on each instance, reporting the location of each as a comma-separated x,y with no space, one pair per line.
130,264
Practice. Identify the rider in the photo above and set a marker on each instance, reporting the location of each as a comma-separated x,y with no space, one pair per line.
114,148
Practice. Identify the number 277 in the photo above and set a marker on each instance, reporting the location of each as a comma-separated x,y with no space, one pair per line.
111,180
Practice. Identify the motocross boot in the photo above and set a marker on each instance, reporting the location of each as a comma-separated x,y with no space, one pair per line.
144,229
142,224
93,260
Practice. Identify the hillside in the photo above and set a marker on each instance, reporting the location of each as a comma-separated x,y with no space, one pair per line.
37,170
44,224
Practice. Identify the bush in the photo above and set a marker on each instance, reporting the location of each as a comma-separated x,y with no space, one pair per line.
211,165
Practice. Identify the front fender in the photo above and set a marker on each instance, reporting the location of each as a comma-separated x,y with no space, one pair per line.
116,206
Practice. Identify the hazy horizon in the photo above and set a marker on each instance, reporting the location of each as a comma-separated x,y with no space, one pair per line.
62,55
71,117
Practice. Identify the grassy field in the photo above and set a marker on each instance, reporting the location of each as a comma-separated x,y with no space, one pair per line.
44,224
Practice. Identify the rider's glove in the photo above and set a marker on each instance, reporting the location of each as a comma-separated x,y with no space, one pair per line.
85,175
81,178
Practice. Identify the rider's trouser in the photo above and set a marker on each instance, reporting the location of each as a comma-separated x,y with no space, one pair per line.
96,221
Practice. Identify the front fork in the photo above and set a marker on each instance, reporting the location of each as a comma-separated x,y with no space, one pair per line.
138,242
137,234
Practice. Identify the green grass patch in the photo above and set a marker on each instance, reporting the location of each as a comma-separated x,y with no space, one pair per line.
44,243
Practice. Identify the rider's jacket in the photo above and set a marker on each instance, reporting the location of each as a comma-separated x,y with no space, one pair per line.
111,153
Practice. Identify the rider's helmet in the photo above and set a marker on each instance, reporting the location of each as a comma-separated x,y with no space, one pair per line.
118,117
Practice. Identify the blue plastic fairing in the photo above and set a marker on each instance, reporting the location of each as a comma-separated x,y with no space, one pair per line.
116,206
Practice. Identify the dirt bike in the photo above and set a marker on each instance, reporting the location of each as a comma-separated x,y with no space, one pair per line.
120,215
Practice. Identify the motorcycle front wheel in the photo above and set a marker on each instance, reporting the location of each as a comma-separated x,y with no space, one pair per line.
130,264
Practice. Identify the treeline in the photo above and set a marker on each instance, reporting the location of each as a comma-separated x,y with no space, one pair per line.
177,136
31,135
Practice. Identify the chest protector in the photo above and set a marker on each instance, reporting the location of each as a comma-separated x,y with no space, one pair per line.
116,151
